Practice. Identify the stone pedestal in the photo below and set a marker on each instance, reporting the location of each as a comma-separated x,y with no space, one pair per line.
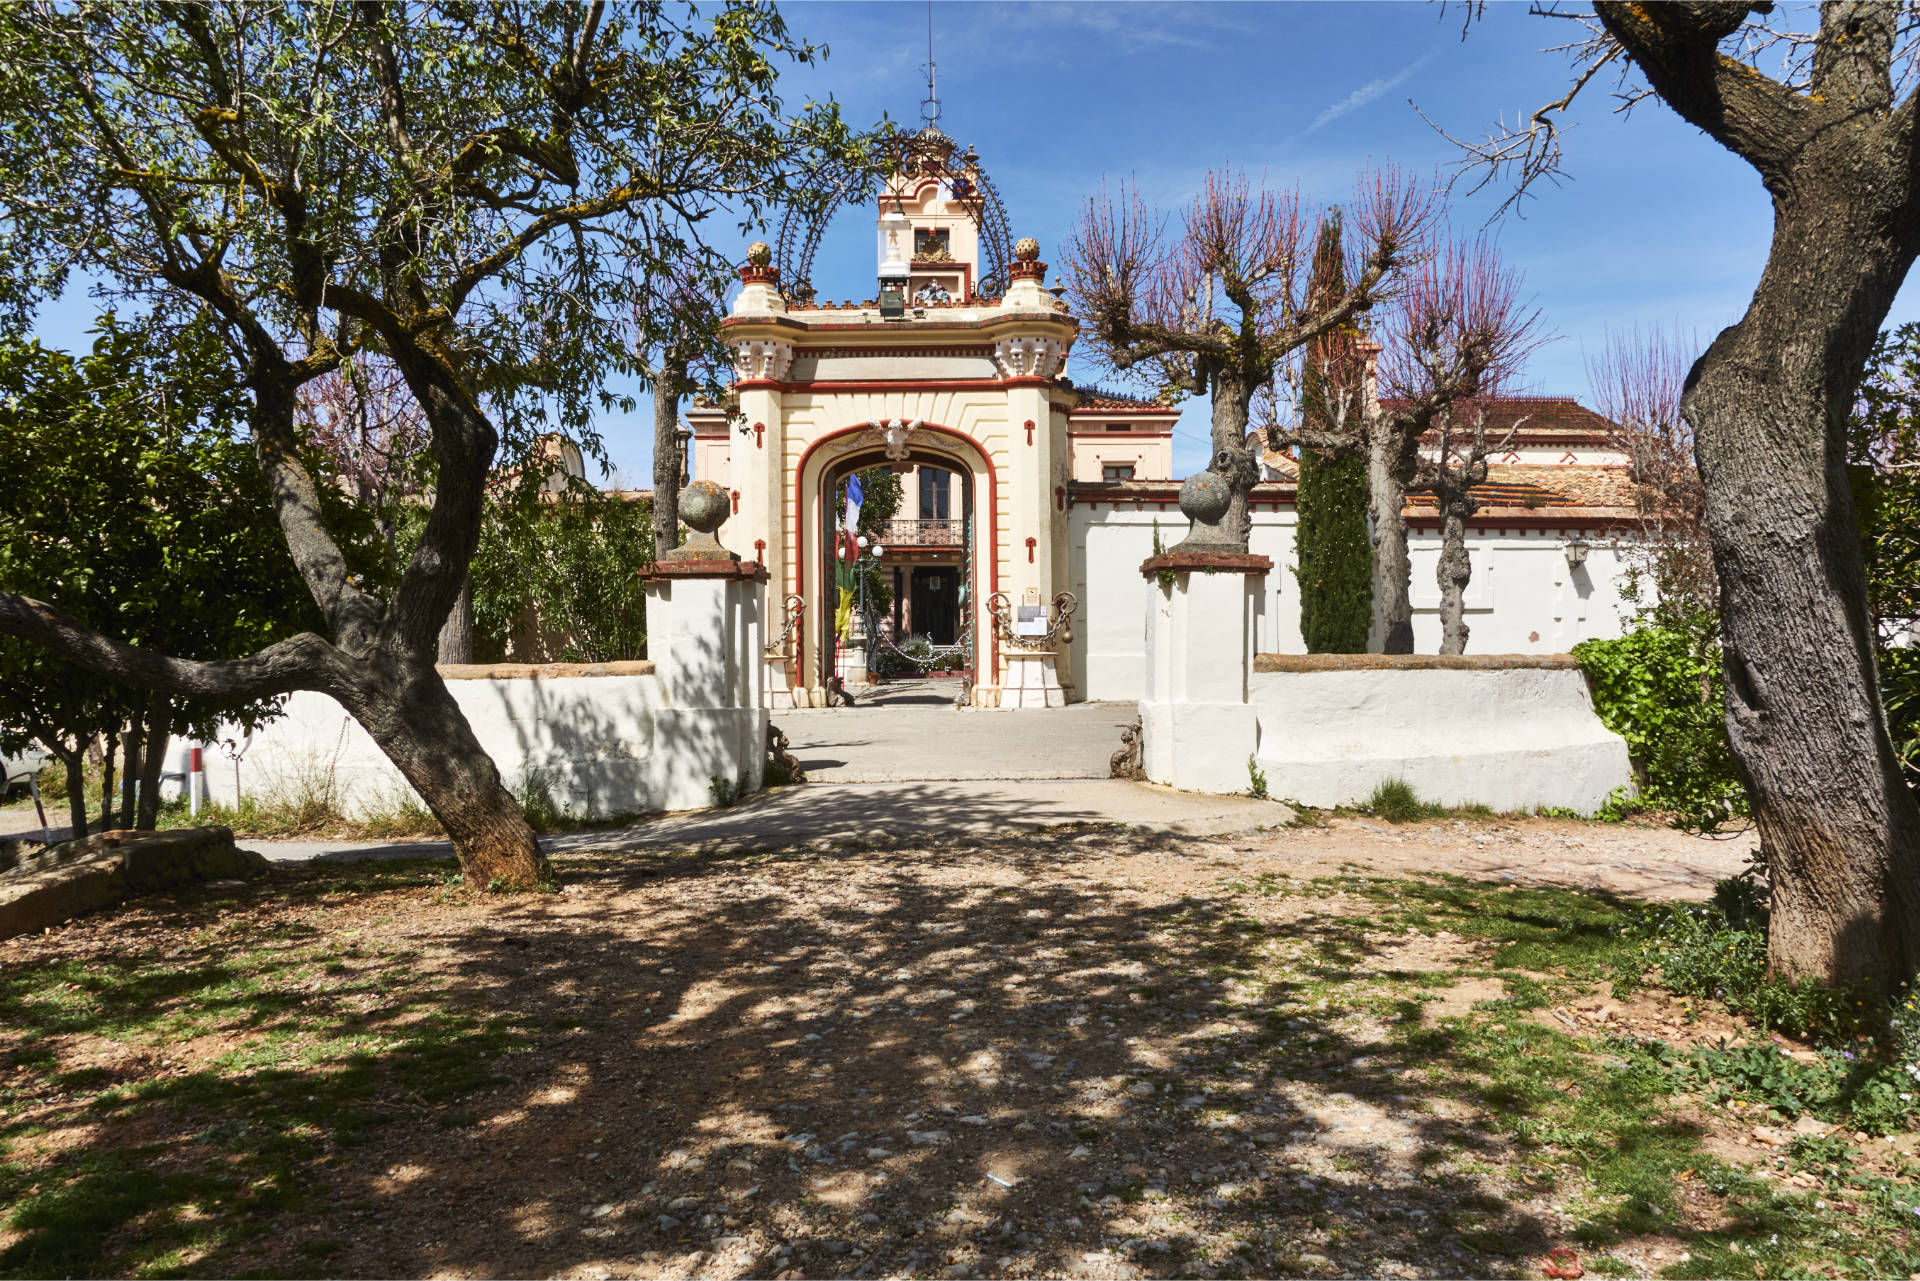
779,685
1030,678
705,636
1199,729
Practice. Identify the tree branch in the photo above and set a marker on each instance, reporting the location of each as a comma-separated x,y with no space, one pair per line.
299,662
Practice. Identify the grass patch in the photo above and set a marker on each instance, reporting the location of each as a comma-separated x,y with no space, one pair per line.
1395,801
326,1035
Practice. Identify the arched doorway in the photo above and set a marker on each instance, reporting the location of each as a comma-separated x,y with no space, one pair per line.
824,468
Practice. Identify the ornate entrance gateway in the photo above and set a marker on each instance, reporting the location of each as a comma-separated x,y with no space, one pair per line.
955,366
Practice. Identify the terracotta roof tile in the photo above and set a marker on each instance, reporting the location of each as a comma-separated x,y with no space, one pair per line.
1543,416
1101,398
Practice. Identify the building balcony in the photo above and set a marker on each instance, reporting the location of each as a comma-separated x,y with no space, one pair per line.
924,533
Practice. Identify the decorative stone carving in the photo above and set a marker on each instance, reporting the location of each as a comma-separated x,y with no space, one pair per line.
1027,357
894,434
704,507
1125,763
760,253
1205,498
762,358
1026,249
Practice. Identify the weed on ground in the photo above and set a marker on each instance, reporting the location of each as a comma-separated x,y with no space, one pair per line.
1104,1055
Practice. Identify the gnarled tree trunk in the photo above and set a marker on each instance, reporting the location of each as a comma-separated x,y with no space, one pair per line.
1392,567
407,709
1232,408
1769,403
1455,571
153,761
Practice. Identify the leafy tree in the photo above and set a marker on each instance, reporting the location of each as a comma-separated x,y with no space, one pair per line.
1332,545
1829,120
133,507
1884,458
465,190
567,568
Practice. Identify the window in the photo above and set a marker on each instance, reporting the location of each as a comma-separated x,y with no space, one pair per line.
1116,471
936,490
1119,427
932,246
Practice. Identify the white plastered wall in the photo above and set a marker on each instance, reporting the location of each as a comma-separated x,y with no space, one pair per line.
1513,738
1523,599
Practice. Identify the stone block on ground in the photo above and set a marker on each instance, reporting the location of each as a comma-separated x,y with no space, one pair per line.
60,882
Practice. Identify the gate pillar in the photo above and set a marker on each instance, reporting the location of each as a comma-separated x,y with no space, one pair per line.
1198,728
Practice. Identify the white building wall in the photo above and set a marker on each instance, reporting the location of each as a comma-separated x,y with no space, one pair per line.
1523,598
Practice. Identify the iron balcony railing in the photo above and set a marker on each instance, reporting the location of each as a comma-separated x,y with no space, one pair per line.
925,533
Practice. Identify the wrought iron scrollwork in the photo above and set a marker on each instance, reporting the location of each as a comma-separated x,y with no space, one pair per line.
1059,622
927,153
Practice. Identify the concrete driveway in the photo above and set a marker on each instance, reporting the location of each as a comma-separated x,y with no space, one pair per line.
915,742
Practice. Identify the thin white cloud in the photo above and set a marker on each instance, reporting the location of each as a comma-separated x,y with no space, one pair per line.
1369,91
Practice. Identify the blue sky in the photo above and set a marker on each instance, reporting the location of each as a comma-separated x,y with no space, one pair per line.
1656,226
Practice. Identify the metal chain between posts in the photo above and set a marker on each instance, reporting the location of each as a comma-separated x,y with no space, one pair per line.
1059,627
786,641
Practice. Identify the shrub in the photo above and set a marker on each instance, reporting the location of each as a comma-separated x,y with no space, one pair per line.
1659,687
1396,802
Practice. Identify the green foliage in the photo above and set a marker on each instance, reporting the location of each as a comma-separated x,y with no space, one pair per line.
133,507
725,792
1165,577
1334,551
1335,555
561,573
1396,802
1256,779
1718,951
1884,466
534,791
1659,687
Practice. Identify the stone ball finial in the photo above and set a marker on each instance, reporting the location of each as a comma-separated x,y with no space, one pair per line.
1204,500
1026,249
703,506
760,254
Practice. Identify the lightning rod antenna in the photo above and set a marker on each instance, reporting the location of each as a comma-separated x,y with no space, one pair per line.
930,109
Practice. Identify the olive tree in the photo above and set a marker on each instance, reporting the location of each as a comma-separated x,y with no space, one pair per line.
464,189
1827,116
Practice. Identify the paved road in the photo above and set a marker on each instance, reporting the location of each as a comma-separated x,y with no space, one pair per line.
914,742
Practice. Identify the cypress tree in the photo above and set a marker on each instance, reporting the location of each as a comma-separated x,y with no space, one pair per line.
1331,544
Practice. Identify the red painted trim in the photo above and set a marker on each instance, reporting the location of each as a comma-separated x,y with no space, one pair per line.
759,435
736,502
1029,431
1031,544
886,384
964,443
1060,497
760,549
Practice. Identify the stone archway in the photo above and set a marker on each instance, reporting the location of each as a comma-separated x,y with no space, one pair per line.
828,460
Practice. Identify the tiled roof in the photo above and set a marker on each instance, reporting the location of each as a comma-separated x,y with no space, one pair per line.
1502,494
1101,398
1541,416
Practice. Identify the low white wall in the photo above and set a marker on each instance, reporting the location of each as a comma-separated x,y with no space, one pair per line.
1523,598
602,734
1516,732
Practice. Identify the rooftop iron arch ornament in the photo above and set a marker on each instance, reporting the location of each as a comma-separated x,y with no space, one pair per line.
928,153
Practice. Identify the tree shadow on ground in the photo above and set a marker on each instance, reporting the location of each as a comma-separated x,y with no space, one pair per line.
962,1059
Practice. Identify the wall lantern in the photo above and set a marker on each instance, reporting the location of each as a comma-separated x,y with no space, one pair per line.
1577,553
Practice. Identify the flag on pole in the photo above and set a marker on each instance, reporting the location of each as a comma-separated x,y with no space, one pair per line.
854,496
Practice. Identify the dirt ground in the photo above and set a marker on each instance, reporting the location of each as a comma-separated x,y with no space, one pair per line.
1026,1059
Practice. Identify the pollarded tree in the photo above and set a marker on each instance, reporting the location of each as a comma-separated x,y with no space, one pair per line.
1835,139
1457,330
1215,310
464,189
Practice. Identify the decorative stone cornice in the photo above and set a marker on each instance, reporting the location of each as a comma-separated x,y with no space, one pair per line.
1028,357
1205,562
758,359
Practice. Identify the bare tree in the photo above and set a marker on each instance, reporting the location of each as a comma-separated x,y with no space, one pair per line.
1637,381
1459,463
1458,330
1829,120
1216,309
